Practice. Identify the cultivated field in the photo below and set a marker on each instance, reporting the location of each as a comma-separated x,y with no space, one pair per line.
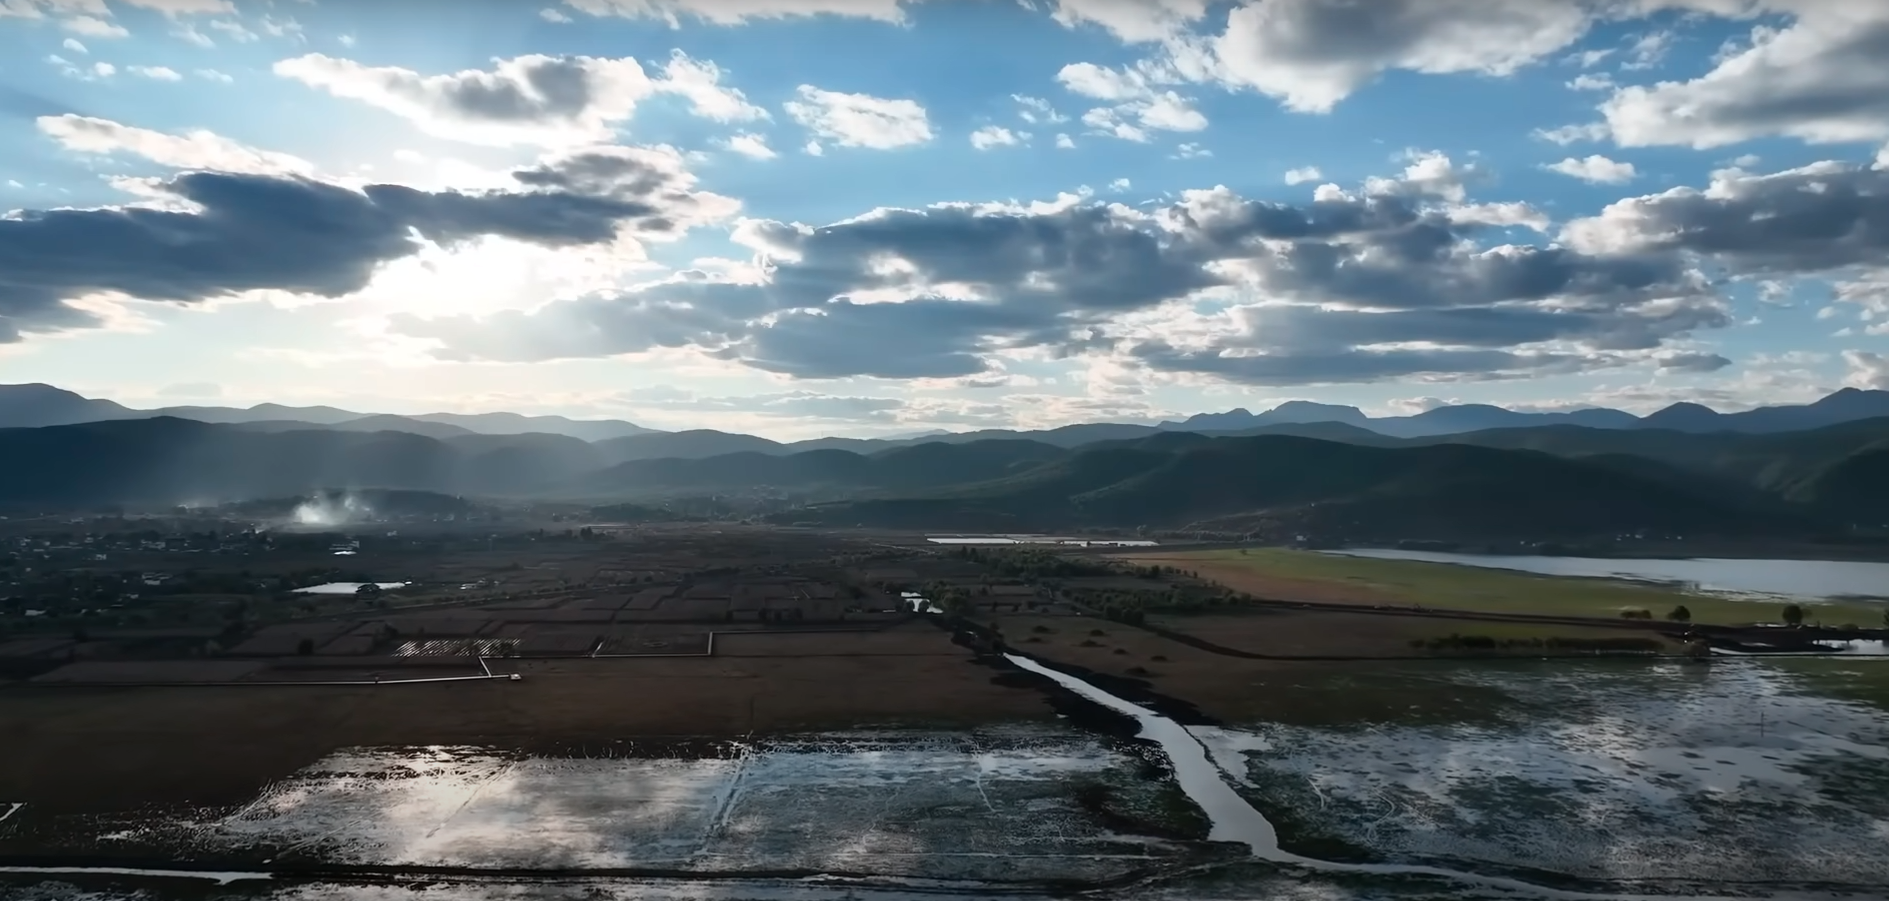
1331,579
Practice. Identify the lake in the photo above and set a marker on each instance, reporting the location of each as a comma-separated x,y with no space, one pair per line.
346,587
1808,579
1039,539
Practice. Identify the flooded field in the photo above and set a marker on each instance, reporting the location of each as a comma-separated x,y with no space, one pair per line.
1647,773
1609,779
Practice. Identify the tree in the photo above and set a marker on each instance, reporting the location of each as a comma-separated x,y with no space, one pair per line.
1793,615
1885,618
305,647
1680,614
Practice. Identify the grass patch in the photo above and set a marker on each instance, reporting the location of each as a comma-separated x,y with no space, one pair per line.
1462,587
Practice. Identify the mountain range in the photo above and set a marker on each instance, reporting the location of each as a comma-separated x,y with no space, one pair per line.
35,405
1323,479
1298,469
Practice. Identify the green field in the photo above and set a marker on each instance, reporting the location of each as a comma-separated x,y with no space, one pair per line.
1457,587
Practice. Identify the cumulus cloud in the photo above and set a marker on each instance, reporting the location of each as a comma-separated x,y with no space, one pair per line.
1132,21
1312,54
535,99
191,150
1138,103
1820,79
1384,282
1820,217
1303,174
1866,369
1037,111
155,73
1691,362
860,120
996,136
93,27
751,145
735,12
176,8
699,81
216,234
1594,169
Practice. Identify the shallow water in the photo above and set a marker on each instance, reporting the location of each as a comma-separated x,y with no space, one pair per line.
999,806
1729,773
346,587
1766,579
1633,779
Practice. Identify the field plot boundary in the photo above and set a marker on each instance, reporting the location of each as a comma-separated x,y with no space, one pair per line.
482,661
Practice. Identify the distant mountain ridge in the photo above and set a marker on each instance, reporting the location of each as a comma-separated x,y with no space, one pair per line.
35,405
1326,479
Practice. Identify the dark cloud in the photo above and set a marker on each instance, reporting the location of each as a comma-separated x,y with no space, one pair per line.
231,233
531,99
1693,362
1354,280
1820,79
1818,218
1361,365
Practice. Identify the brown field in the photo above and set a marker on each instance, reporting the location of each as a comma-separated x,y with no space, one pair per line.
98,749
1236,689
1241,576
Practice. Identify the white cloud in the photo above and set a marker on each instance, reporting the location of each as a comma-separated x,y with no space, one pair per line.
1303,174
1592,81
1509,214
1191,151
552,14
1649,50
860,120
192,150
1595,169
234,30
1570,134
345,40
186,7
73,45
1037,111
699,81
93,27
289,28
1822,79
214,75
1866,369
191,34
104,70
537,100
994,136
1311,54
1119,185
752,146
1064,142
1138,103
1587,59
813,148
735,12
1132,21
155,73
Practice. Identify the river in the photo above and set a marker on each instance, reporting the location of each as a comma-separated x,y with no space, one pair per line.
1768,579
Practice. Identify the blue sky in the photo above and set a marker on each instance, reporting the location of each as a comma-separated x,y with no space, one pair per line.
800,217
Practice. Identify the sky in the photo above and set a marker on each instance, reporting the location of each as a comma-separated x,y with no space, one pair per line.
872,217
